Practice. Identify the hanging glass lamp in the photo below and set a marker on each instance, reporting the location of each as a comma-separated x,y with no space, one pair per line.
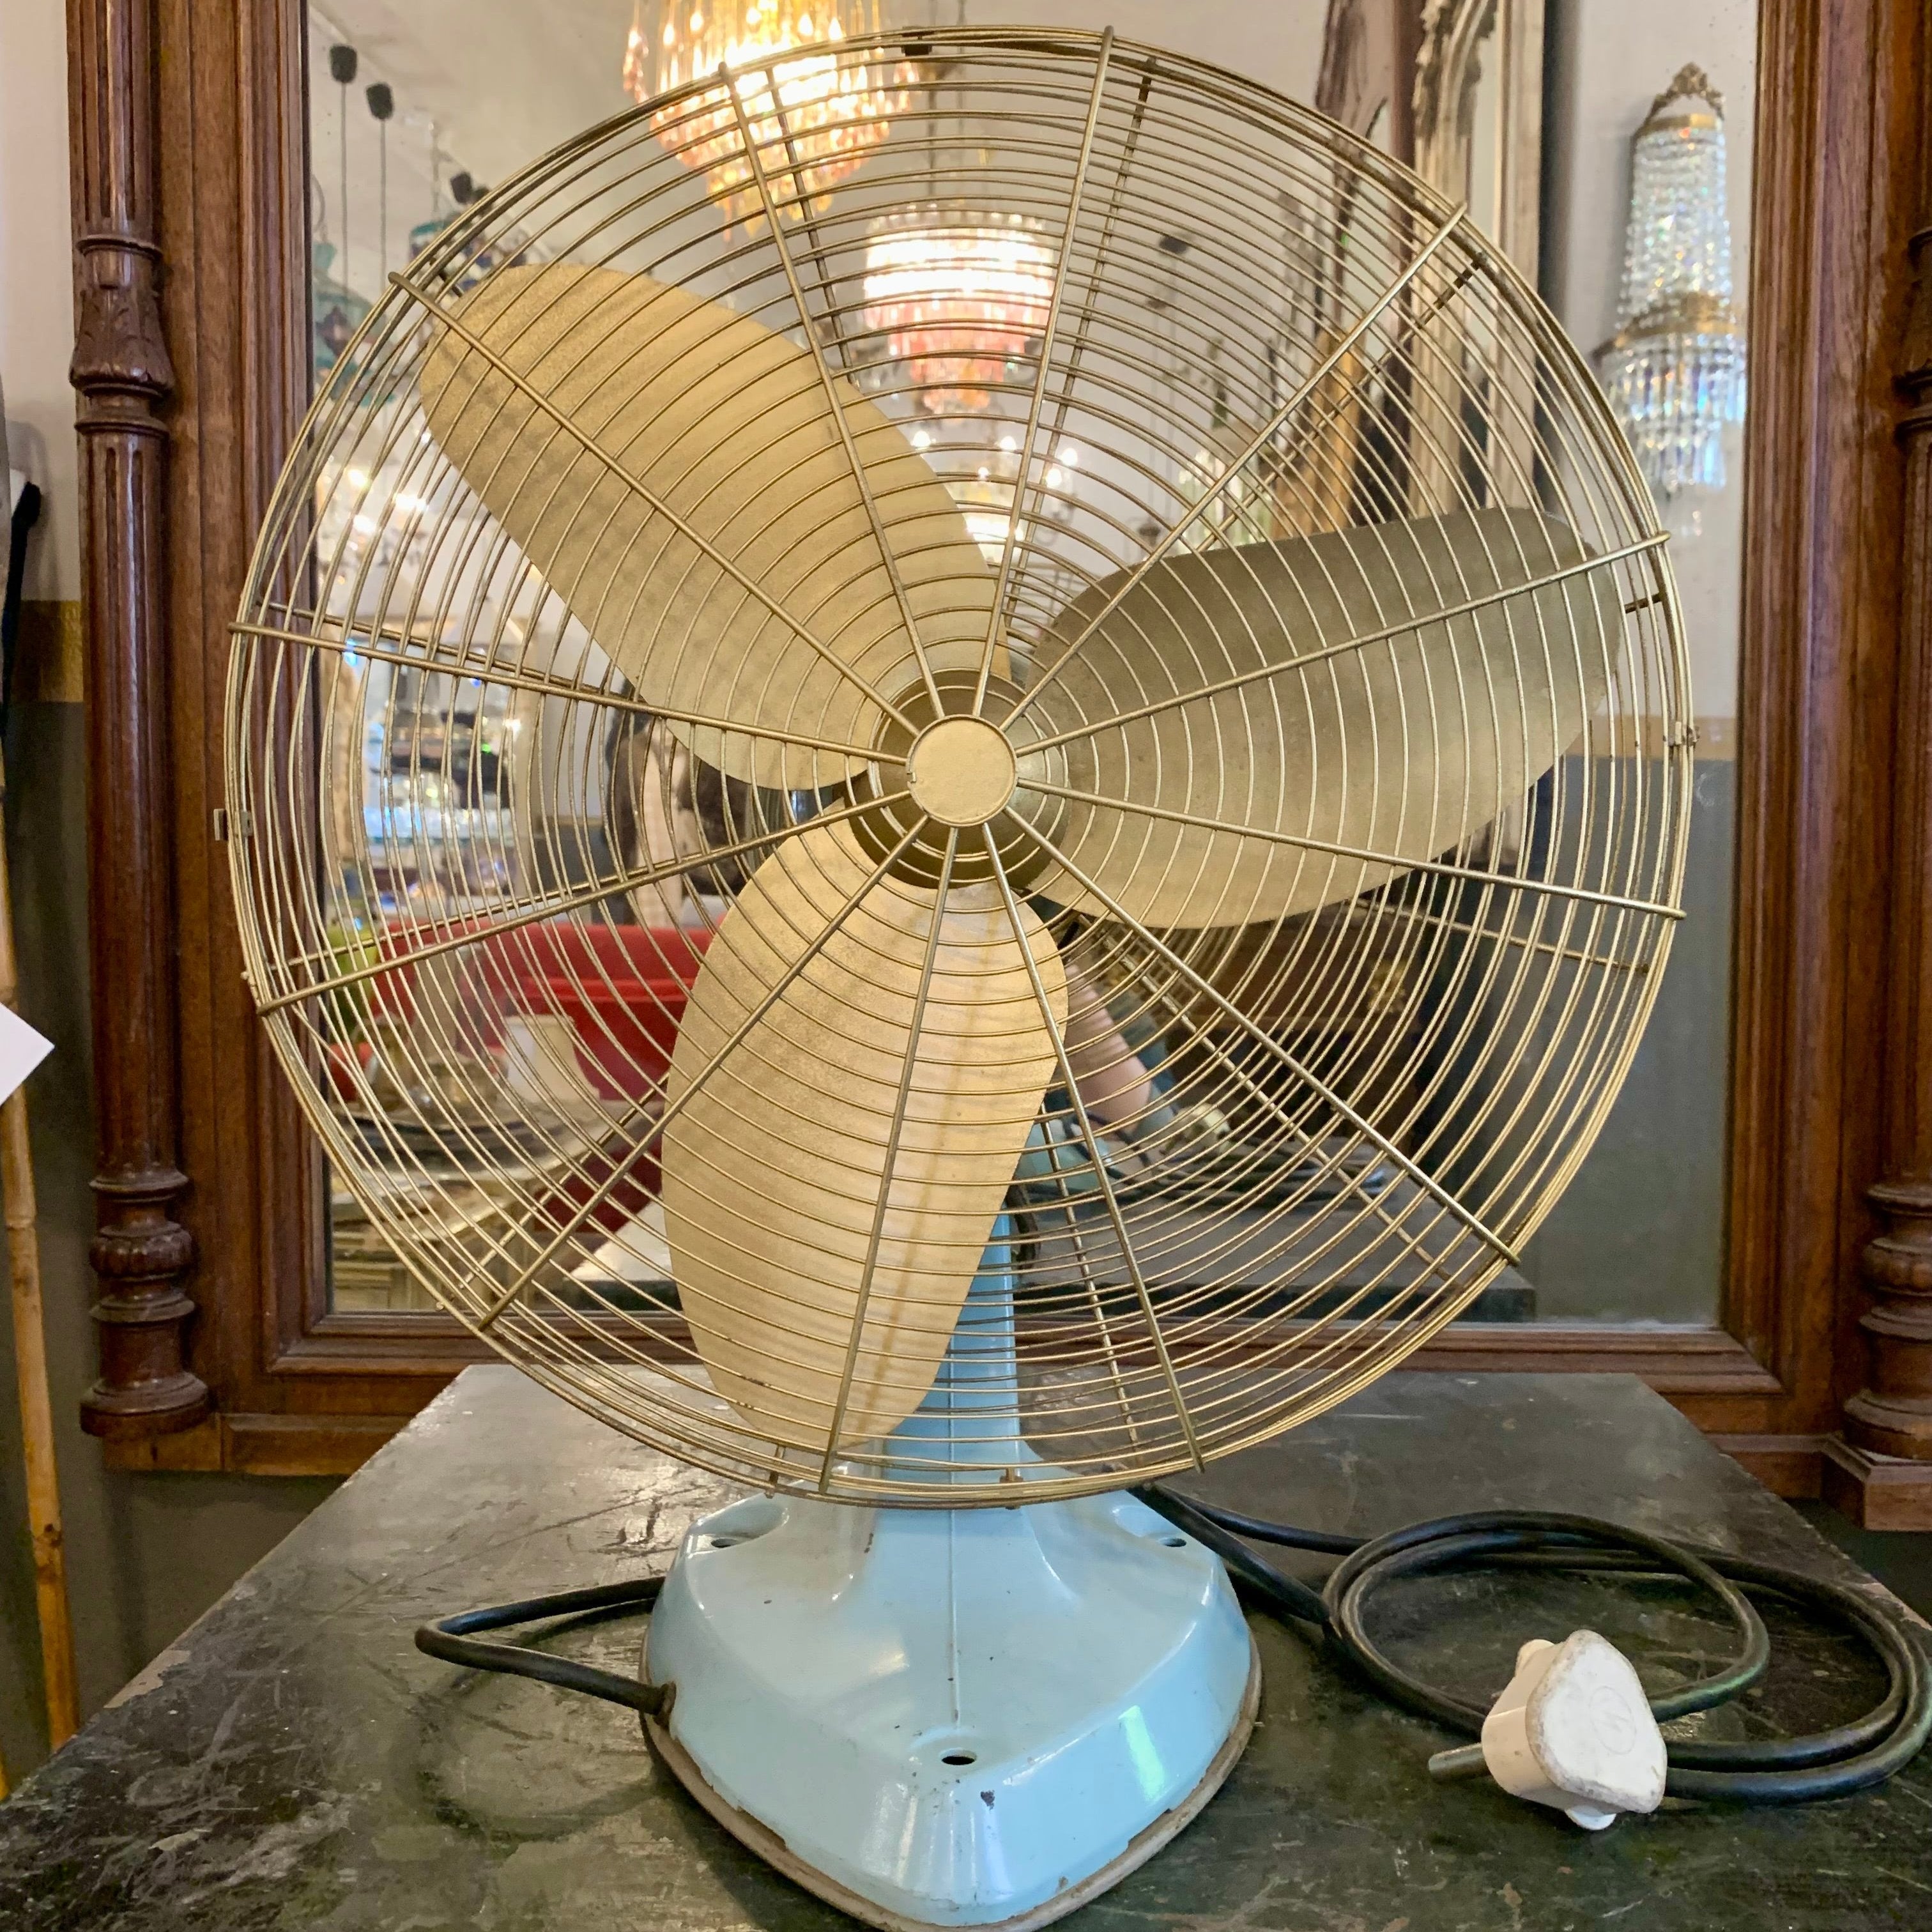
1675,370
825,105
957,295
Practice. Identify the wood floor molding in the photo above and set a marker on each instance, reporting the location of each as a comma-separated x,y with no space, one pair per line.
1875,1492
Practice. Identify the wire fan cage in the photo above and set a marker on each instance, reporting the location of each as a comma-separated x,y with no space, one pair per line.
1108,908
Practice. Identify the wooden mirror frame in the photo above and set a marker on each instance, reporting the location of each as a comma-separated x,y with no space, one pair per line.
218,1349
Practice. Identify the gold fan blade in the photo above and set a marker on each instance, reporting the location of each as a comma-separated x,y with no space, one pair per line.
775,1168
1403,748
704,466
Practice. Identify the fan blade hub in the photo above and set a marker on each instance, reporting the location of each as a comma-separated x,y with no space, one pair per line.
961,771
944,767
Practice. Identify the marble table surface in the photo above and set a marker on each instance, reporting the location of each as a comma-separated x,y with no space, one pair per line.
292,1764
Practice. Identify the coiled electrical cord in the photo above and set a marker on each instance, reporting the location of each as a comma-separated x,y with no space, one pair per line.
449,1639
1786,1770
1781,1770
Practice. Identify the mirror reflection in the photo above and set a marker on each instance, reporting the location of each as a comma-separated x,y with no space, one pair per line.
1608,158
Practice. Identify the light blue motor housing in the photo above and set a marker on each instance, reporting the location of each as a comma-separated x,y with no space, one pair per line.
952,1717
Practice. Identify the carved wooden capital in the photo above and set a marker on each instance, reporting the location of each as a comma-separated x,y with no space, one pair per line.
137,1242
120,365
139,1254
1915,371
1898,1262
1445,67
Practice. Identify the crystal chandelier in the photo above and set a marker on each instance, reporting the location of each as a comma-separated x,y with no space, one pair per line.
1675,369
957,295
830,107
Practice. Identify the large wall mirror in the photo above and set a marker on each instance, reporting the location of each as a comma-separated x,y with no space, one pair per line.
1524,110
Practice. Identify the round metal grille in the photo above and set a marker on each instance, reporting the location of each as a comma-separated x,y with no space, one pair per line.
1107,688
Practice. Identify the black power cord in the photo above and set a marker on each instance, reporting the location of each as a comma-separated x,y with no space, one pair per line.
1784,1771
449,1639
1781,1771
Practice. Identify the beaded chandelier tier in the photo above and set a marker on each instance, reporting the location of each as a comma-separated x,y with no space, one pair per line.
1675,367
827,112
957,296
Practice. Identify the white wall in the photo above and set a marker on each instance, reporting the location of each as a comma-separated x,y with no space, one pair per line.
36,283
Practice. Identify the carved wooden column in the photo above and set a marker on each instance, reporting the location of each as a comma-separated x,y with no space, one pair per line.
120,370
1879,1472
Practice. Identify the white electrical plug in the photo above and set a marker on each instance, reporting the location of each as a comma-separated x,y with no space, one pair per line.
1573,1731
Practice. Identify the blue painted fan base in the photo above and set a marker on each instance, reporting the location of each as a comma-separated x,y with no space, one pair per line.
933,1716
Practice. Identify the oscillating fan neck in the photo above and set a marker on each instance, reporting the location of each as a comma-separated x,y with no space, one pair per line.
972,1413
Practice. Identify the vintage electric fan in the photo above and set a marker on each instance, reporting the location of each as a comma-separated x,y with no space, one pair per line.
1140,961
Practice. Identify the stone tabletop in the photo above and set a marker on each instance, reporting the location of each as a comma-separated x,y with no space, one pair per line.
292,1764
